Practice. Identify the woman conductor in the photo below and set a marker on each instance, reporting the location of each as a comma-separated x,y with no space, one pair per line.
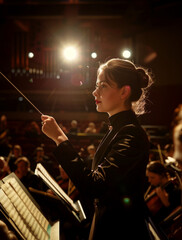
116,180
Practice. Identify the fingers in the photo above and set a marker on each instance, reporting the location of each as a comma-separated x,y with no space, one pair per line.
47,119
44,117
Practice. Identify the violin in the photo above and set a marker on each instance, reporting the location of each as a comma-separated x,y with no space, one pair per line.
153,201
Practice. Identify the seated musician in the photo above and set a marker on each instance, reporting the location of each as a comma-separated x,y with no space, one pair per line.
163,194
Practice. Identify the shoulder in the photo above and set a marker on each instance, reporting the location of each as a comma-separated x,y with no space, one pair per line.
133,133
132,129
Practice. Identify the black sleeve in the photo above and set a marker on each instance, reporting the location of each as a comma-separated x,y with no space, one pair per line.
125,153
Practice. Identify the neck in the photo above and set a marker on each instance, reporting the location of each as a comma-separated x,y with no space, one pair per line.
122,109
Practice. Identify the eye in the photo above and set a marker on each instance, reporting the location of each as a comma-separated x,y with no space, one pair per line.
100,86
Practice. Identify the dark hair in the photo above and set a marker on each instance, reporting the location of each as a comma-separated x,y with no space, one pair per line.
157,167
23,159
124,72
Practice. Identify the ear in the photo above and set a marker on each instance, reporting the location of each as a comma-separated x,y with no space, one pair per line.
125,92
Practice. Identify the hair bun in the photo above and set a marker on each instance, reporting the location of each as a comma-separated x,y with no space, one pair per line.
143,77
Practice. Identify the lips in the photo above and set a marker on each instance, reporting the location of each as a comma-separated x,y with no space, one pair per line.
97,101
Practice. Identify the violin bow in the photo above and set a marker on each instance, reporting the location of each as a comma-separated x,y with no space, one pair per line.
160,153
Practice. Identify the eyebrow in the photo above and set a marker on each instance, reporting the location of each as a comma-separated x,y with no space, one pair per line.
100,82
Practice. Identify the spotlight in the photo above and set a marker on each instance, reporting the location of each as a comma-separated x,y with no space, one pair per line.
70,53
30,54
126,53
94,55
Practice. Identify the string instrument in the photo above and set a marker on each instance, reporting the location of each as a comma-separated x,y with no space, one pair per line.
152,200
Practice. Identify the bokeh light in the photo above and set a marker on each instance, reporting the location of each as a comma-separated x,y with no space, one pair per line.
70,53
126,53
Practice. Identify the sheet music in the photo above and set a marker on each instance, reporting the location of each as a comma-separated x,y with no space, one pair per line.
22,213
41,171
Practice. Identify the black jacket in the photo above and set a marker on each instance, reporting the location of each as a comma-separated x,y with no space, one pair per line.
116,180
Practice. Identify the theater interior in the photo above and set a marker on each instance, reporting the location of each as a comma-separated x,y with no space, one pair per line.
36,77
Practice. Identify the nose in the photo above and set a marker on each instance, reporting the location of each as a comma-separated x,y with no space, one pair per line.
94,93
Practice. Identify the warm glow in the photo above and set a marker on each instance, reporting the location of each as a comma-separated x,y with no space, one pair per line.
126,53
94,55
30,55
70,53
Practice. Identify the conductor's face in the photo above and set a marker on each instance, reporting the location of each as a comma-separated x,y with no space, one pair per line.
107,95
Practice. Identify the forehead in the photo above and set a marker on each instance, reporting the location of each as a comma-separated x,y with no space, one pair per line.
22,163
151,174
101,78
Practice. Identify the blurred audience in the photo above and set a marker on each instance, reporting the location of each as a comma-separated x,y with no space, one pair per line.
49,164
13,155
74,127
91,128
91,152
27,176
33,130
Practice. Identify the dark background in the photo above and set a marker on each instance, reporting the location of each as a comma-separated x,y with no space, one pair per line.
151,29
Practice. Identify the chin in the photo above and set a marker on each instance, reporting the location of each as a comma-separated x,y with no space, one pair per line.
100,109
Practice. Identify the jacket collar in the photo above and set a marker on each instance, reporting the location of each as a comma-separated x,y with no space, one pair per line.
122,118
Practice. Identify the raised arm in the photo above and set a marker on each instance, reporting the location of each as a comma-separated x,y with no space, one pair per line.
52,129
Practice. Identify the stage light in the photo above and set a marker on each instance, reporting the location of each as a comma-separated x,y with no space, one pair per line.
30,54
126,53
70,53
94,55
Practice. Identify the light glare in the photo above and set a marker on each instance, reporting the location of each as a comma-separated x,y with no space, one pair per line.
70,53
30,55
126,54
94,55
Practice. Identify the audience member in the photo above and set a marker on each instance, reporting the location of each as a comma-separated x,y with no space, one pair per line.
163,194
74,127
39,157
4,168
27,177
33,130
16,153
91,153
49,164
91,128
